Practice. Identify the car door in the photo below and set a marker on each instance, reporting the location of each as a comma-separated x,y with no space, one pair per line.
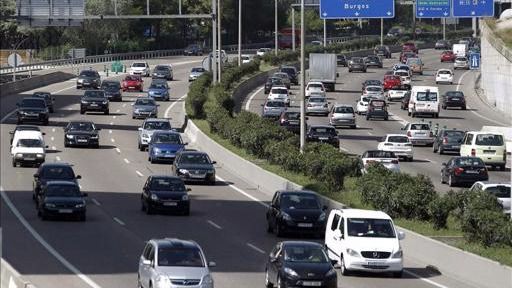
332,237
273,265
273,211
465,148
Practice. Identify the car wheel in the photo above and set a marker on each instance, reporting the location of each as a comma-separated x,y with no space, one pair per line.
353,127
142,206
14,164
66,144
149,210
386,118
268,284
437,115
444,107
186,212
408,113
463,107
278,231
344,270
442,178
52,110
107,112
82,112
411,159
269,227
451,183
44,215
152,160
434,149
441,151
502,167
398,274
139,285
46,122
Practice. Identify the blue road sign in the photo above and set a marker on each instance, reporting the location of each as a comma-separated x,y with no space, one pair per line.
433,8
474,61
473,8
336,9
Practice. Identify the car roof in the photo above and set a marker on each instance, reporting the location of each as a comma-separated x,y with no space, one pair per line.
164,176
315,82
361,213
175,243
55,164
322,126
61,182
301,243
156,120
487,184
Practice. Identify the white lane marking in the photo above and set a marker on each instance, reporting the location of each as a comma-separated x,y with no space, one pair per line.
119,221
110,131
54,148
138,173
214,224
57,158
112,139
111,123
248,103
126,161
256,248
80,186
369,133
117,111
53,129
45,244
168,110
474,112
243,192
118,151
124,105
431,161
52,138
425,279
114,117
343,149
96,202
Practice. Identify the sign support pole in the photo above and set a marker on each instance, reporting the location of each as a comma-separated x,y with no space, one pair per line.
302,80
275,26
239,32
213,60
219,31
325,33
381,31
293,29
444,28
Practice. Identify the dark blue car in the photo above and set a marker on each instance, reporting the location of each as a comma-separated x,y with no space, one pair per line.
164,145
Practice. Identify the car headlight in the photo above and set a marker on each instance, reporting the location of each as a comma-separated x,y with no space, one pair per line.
80,205
353,253
207,281
136,110
39,155
70,136
80,80
398,254
321,218
84,102
18,155
290,272
210,171
144,135
157,150
286,217
154,197
162,281
49,205
105,102
330,273
183,171
184,197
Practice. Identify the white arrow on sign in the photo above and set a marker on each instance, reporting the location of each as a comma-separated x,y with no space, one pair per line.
11,283
324,14
472,12
421,13
445,13
357,13
389,13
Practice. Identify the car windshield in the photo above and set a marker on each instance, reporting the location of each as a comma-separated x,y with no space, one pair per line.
198,69
444,72
157,125
30,143
315,85
398,139
323,130
461,59
62,191
27,128
60,173
195,158
36,103
500,191
145,102
304,254
489,140
357,60
88,73
426,96
373,58
139,65
180,257
293,115
41,95
167,184
455,94
168,138
275,104
82,126
373,82
374,89
111,85
279,91
288,70
157,86
469,161
94,94
316,100
366,99
380,154
413,61
366,227
344,110
162,68
281,75
419,127
401,73
132,78
293,201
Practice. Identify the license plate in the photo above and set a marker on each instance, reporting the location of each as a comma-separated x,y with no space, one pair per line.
30,158
305,225
312,283
65,211
170,204
82,140
421,134
94,105
455,99
376,263
489,151
323,138
472,172
131,87
199,176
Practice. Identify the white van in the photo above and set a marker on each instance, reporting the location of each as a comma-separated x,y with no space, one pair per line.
424,100
488,146
28,148
364,240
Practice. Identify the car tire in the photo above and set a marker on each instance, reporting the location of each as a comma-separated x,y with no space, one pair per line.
268,284
398,274
463,107
44,216
444,107
186,212
353,127
386,118
434,150
52,110
107,112
441,151
149,210
436,115
82,112
66,144
344,270
82,217
278,231
152,160
410,159
502,167
442,178
450,181
140,147
142,206
46,122
269,227
14,163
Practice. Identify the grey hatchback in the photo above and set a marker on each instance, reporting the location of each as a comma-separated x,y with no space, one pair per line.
145,108
273,108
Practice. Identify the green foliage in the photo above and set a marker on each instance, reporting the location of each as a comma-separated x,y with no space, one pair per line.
197,96
440,209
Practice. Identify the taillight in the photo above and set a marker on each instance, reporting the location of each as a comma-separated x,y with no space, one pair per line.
473,152
284,121
458,171
309,105
483,171
409,134
445,140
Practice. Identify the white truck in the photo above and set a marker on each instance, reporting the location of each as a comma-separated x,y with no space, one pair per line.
424,100
460,49
322,68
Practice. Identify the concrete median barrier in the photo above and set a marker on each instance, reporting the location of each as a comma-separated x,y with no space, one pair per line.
10,278
12,88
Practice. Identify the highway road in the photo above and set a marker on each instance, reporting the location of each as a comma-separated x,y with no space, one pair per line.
369,133
227,220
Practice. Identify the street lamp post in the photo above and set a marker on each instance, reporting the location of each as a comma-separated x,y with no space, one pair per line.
14,49
302,80
219,29
293,28
213,59
239,32
275,26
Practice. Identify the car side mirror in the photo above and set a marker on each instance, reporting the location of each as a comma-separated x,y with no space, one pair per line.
212,264
214,162
140,128
147,262
401,235
78,177
98,129
85,194
403,128
46,146
186,143
444,164
261,105
273,259
43,133
307,118
36,175
335,264
324,208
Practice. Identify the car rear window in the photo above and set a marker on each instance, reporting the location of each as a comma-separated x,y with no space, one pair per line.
324,130
292,115
489,140
316,100
473,161
40,103
426,96
315,85
288,70
454,94
279,91
374,89
420,127
444,72
454,134
275,104
500,191
380,154
57,173
345,110
198,69
398,139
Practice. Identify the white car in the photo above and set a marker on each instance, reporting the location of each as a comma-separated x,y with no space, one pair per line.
461,63
375,92
246,59
362,105
404,67
500,190
397,93
387,158
314,87
28,147
364,240
279,93
419,133
140,68
262,51
172,262
405,76
444,76
398,144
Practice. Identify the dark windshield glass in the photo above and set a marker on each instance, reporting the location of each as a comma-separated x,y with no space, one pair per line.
467,161
162,68
398,139
293,115
198,69
363,227
288,70
57,173
111,85
157,125
36,103
167,138
304,254
180,257
455,94
380,154
420,127
500,191
316,100
167,184
195,158
322,130
139,65
158,86
63,191
279,91
489,140
29,143
88,73
81,126
94,94
374,89
455,135
41,95
344,110
275,104
426,96
145,102
299,201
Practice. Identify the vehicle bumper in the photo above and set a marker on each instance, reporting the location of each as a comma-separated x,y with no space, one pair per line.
163,157
492,159
87,85
88,107
342,122
39,118
450,148
469,179
455,66
421,141
143,115
159,96
454,104
300,228
206,177
377,115
78,142
24,158
170,205
402,153
63,211
373,265
292,282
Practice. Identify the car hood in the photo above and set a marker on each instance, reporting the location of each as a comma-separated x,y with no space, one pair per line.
310,270
195,166
372,244
308,215
95,99
66,200
157,90
39,150
167,146
183,272
144,107
31,109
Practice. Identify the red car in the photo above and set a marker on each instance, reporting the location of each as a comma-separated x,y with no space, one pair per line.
447,56
409,46
132,82
407,54
391,81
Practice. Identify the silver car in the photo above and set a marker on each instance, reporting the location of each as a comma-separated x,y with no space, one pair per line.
273,108
461,63
284,76
173,263
145,108
342,115
147,128
195,73
317,105
419,133
375,92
